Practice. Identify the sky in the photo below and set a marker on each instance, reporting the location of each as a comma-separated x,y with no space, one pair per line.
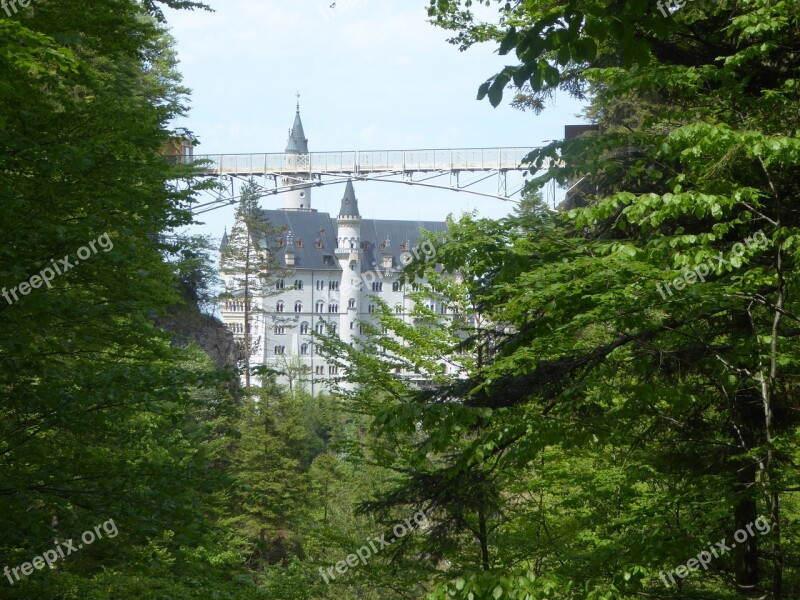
372,75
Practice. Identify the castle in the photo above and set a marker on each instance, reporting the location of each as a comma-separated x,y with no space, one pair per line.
330,269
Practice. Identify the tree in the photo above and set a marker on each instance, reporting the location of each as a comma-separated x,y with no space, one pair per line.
698,115
101,418
250,265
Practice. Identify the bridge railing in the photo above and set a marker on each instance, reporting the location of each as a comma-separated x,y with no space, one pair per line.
369,161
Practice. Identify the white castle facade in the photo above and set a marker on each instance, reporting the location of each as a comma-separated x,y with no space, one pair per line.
331,267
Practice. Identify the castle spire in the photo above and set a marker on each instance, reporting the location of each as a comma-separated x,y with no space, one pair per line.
299,182
298,143
349,202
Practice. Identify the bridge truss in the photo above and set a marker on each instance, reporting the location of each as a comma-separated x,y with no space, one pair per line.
455,169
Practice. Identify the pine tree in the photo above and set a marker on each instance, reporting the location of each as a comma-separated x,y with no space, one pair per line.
251,267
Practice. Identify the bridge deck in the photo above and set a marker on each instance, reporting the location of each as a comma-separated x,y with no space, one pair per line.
364,162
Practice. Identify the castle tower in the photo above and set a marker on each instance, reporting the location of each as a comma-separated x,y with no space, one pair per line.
348,253
300,197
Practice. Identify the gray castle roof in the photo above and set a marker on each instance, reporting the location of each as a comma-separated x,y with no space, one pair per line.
298,144
314,239
349,202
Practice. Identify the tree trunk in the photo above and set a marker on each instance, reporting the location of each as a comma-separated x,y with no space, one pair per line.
483,539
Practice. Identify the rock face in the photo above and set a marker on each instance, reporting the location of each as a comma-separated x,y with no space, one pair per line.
208,332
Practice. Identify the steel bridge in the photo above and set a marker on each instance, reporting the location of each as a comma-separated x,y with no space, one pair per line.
410,167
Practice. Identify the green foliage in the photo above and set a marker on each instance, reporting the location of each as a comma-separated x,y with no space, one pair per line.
251,268
101,418
603,427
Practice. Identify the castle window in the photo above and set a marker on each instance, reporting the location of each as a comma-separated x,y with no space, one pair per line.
280,329
280,350
371,308
351,303
320,328
333,286
377,286
304,349
397,286
333,370
398,310
298,284
298,307
304,328
300,243
333,308
318,244
279,285
319,370
320,285
279,307
320,306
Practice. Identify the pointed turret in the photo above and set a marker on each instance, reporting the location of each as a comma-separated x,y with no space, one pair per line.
299,195
298,143
224,243
349,207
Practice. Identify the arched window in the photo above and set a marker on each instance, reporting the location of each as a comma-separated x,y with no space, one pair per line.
333,329
298,284
279,350
320,306
280,329
397,286
280,284
304,349
333,308
351,303
304,328
320,327
298,307
398,309
279,307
